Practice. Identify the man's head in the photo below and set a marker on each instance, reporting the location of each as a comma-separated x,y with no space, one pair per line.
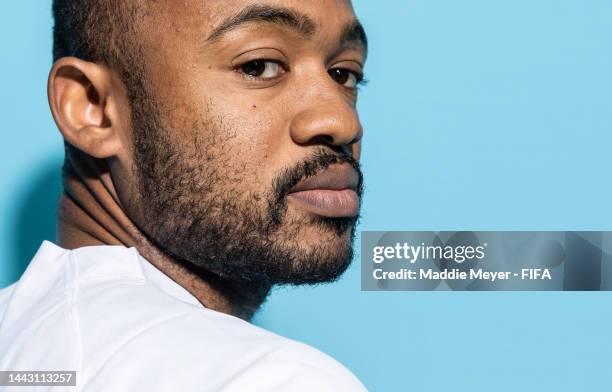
229,127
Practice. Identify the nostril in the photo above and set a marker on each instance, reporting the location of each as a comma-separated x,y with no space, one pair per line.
322,139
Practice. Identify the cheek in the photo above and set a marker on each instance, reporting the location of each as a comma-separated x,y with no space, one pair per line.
246,134
254,141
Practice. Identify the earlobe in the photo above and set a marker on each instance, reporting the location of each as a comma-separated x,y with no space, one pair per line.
80,96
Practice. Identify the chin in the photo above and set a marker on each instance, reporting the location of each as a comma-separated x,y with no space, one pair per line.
323,250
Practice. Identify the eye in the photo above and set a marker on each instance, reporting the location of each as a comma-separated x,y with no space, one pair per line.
262,69
345,77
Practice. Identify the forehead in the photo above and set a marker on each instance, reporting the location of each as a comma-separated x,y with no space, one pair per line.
203,16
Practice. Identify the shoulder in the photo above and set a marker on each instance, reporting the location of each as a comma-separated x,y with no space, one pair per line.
295,367
126,326
200,347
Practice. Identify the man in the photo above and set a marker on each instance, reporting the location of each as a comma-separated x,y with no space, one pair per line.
211,153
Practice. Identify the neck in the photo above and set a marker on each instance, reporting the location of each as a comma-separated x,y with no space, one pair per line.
90,213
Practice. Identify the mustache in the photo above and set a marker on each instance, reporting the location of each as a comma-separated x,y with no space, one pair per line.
321,160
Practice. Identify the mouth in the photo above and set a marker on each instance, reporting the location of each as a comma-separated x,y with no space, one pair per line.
331,192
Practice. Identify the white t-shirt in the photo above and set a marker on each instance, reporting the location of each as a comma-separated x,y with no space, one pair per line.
123,325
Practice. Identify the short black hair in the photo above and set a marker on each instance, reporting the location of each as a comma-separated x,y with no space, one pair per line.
81,29
100,31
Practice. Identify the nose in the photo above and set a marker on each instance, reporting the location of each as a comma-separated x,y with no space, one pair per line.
326,116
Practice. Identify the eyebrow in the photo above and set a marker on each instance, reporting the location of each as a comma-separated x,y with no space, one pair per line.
352,34
260,13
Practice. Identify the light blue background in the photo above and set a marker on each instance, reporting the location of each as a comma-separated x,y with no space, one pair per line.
481,115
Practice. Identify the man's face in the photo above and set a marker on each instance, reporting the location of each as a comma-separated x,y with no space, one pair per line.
246,137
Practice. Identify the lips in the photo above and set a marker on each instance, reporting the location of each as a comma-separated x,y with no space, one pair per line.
331,192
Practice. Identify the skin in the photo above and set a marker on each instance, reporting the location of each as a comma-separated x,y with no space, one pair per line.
263,125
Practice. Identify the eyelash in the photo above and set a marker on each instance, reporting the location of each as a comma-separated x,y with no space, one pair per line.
359,78
239,69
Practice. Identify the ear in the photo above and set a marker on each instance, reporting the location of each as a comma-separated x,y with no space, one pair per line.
83,106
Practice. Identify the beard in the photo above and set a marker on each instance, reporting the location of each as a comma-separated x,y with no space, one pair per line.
194,203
